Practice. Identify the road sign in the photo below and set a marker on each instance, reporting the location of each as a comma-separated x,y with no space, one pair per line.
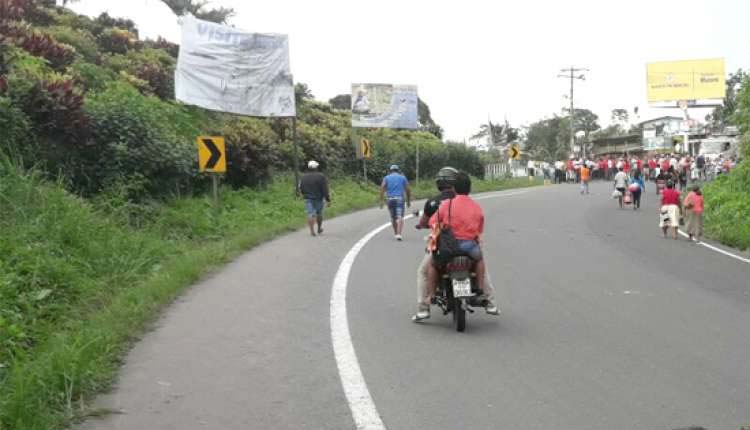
212,154
515,152
365,148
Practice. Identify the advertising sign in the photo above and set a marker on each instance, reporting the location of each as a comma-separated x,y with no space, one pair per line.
384,106
686,80
229,70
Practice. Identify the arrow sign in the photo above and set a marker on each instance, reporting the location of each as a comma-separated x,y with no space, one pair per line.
515,152
212,154
366,149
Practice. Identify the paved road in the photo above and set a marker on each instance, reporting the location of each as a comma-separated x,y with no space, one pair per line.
604,325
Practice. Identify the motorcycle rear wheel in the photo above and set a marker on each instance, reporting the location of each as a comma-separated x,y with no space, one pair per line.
459,315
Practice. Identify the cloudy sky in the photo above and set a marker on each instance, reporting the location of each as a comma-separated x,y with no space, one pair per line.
476,59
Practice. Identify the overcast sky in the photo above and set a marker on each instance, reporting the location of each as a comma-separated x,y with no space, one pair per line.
475,59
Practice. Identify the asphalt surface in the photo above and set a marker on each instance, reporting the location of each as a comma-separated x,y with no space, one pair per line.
604,325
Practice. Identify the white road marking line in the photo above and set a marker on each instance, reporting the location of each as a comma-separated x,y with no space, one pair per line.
364,412
719,250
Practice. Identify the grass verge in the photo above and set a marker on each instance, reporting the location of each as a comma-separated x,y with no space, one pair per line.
79,283
727,208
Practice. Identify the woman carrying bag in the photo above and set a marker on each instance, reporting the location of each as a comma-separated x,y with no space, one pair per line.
670,210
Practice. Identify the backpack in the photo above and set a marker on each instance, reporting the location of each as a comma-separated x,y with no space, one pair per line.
447,244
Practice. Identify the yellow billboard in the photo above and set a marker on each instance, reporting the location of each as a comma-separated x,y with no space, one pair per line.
685,80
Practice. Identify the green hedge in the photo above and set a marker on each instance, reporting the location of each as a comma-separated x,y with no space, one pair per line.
727,207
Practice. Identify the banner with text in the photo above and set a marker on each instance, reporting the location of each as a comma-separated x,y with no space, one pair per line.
671,81
229,70
384,106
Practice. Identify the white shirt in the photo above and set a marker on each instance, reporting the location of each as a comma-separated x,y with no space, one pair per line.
621,180
609,164
530,165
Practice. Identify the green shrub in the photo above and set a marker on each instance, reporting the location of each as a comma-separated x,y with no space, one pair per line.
153,68
116,40
727,207
91,77
59,55
16,139
251,149
138,140
83,42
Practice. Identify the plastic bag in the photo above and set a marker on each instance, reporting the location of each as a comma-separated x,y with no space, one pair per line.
616,194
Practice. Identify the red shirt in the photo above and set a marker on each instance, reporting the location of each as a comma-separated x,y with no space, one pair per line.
652,164
466,217
670,196
696,200
639,163
626,167
665,164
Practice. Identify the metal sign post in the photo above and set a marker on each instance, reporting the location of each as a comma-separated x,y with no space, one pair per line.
294,155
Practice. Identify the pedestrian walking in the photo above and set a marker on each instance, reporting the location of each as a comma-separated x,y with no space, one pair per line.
637,187
395,187
585,178
694,207
314,188
621,184
670,210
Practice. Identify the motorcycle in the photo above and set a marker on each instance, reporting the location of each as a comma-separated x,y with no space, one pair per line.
457,290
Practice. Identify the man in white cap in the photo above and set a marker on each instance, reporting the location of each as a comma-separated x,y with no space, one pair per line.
314,188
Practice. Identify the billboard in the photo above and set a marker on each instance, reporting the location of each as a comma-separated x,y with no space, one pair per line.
384,106
686,80
229,70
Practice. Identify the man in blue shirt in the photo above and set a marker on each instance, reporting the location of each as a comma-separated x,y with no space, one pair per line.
395,188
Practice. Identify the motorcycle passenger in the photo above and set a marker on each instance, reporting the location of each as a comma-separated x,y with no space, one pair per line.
466,220
445,181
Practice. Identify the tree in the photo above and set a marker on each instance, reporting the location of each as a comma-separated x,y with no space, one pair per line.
620,116
426,123
198,9
302,92
502,134
341,101
723,115
546,139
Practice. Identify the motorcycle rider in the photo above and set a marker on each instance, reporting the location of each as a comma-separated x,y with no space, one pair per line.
446,182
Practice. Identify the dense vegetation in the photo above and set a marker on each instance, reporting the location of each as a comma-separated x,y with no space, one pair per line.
103,213
728,198
88,98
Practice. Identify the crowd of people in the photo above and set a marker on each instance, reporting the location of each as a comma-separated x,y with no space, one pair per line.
680,168
671,174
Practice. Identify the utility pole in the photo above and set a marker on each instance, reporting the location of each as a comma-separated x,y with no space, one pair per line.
572,76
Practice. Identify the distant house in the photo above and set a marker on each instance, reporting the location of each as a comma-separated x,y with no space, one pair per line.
659,133
617,146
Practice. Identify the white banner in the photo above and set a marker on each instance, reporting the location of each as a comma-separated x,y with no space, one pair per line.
225,69
384,105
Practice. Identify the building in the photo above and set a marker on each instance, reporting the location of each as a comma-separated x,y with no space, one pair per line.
661,134
617,146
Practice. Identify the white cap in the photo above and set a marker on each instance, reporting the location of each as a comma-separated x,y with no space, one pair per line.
312,164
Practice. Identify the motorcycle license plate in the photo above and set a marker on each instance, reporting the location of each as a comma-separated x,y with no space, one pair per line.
462,288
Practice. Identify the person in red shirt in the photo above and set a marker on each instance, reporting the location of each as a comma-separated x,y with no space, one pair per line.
670,209
694,205
626,166
652,168
466,219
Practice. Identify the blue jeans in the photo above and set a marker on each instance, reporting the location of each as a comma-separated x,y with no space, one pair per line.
314,207
396,207
471,248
